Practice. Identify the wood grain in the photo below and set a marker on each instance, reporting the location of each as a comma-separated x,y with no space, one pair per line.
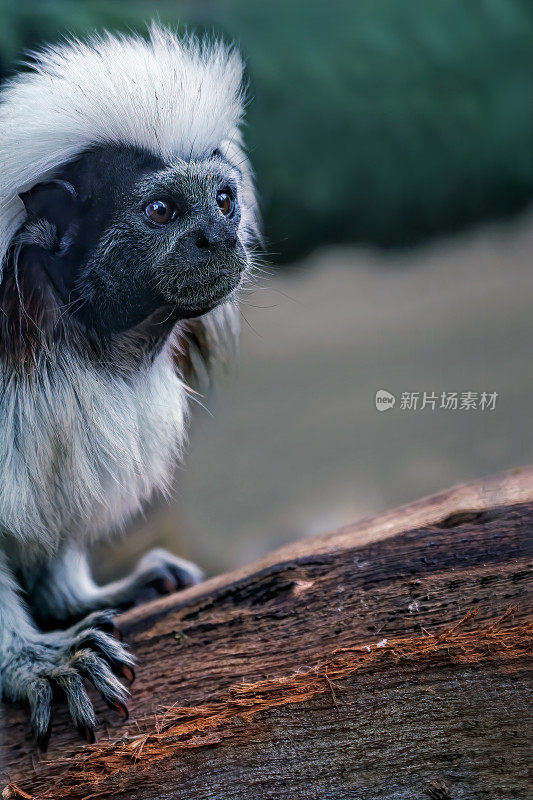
329,669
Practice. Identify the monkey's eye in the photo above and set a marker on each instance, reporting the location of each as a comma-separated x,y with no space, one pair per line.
161,211
226,202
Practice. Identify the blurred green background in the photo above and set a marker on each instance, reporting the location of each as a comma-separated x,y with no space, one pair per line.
377,121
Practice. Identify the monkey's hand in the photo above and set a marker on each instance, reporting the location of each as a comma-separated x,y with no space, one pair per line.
159,570
36,666
64,589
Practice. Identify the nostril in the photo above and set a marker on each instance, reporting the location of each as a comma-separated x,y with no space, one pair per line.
207,239
202,241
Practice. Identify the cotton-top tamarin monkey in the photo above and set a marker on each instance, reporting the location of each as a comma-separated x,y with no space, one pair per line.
127,220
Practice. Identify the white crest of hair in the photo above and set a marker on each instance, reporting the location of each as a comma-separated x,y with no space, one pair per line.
173,96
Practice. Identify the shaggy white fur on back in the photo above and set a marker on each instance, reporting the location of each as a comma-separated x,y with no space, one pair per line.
175,97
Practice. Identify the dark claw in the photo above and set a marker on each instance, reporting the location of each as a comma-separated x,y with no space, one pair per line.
183,578
44,739
110,628
122,710
116,705
169,585
87,733
165,584
128,673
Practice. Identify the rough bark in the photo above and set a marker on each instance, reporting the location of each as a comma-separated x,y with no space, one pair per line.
386,660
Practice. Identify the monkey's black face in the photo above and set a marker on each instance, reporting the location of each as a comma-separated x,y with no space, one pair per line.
123,237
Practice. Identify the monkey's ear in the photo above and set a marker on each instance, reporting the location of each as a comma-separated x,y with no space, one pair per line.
55,201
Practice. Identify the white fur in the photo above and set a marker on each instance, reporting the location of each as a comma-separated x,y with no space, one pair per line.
175,97
80,450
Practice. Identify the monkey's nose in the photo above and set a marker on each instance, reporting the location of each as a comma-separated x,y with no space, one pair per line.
211,238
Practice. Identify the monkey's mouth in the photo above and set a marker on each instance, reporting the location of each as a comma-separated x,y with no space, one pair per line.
195,295
197,298
196,286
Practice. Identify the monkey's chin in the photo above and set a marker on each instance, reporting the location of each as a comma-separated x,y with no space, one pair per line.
197,303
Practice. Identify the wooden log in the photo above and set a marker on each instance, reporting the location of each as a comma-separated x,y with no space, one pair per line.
385,660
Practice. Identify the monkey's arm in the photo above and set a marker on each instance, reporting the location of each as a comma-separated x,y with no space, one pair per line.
65,589
33,663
